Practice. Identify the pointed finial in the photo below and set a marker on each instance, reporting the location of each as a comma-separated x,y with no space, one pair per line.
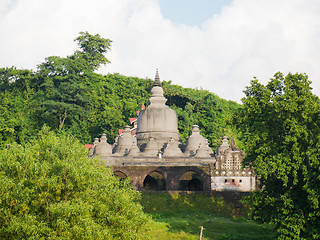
157,80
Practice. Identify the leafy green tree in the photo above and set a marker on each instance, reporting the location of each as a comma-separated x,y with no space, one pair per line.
282,121
66,94
50,189
16,112
63,92
93,48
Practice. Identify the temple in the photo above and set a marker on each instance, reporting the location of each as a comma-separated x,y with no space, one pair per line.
153,156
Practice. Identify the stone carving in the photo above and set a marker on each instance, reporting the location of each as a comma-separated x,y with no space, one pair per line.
172,149
138,151
204,151
124,144
157,130
134,151
103,148
157,121
151,149
194,141
224,146
229,156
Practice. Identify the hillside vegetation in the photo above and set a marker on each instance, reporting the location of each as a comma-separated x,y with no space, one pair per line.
67,95
50,189
278,125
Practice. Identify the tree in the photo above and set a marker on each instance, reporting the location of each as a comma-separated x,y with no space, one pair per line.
93,48
50,189
282,122
63,92
64,88
16,112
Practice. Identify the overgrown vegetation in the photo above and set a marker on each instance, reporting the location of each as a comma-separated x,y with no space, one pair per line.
281,120
180,216
66,94
49,189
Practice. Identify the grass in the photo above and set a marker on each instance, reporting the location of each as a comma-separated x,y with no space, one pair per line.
180,216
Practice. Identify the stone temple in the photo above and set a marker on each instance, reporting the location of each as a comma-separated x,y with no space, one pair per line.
156,159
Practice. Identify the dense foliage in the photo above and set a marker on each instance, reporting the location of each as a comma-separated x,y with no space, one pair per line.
49,189
282,119
66,94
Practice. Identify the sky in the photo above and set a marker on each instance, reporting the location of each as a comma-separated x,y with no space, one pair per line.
217,45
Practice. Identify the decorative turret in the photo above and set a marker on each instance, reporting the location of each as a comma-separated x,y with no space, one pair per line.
134,151
151,149
93,148
229,157
194,141
103,148
157,121
204,151
124,142
224,146
172,149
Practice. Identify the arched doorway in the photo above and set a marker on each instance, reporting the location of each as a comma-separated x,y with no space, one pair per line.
120,174
154,181
191,181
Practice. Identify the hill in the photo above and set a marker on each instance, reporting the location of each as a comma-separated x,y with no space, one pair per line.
66,94
89,104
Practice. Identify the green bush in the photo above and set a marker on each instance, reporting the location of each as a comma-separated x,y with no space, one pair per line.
49,189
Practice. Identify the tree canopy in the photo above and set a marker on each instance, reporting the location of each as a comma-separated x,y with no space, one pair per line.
93,48
50,189
66,94
281,120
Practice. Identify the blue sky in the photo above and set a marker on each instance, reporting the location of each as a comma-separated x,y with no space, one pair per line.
217,45
191,12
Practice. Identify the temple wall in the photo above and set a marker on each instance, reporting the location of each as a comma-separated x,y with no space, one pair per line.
233,183
171,175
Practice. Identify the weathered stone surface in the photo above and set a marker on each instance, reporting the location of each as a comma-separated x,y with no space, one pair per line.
151,149
134,151
224,146
153,159
172,149
204,151
125,142
92,150
172,176
229,174
194,141
103,148
157,121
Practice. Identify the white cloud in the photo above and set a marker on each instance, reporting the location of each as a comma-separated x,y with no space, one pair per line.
249,38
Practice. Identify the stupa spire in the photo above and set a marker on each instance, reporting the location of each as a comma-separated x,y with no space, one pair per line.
157,81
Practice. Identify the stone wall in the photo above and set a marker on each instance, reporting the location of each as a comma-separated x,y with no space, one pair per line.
155,177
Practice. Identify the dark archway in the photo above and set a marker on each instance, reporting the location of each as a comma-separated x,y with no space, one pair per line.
120,174
191,181
154,181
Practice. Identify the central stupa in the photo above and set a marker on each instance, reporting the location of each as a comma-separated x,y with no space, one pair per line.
157,121
154,158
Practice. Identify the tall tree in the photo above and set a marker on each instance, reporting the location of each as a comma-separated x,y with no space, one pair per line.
282,120
93,48
65,92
